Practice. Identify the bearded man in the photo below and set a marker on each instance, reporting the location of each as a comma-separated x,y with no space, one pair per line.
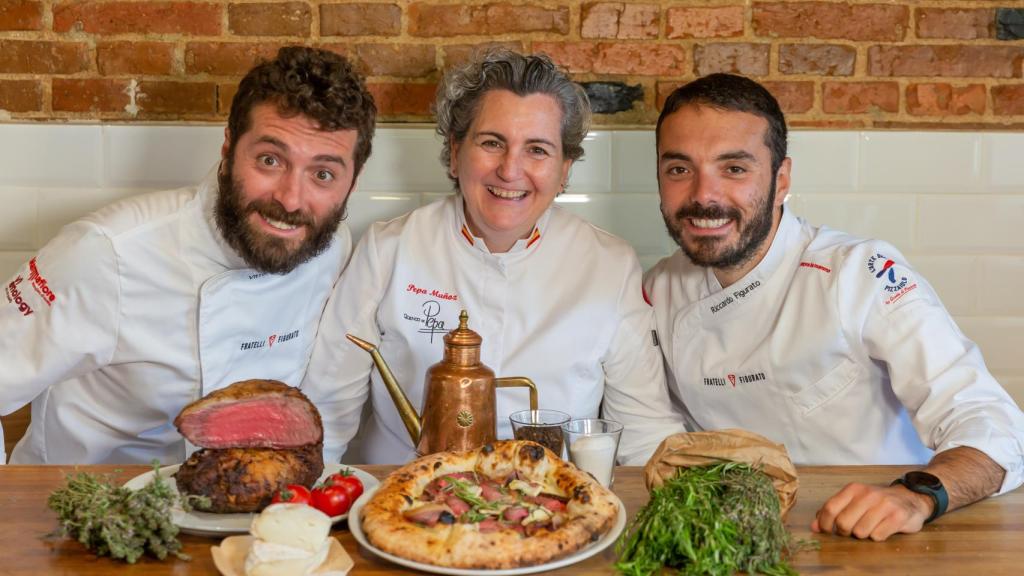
138,309
827,343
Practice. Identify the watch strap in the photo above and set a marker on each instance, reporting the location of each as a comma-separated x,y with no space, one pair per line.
938,495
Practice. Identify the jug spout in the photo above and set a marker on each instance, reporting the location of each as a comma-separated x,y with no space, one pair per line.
409,416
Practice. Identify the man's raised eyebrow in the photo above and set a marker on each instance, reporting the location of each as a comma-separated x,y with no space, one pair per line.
319,157
665,156
737,155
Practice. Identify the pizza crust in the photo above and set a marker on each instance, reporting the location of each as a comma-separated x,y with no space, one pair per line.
591,510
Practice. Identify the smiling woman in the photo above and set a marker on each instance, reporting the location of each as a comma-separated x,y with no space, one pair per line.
512,126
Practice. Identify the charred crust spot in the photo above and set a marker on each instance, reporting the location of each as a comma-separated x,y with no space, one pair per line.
534,451
408,499
437,465
581,494
487,448
424,467
404,477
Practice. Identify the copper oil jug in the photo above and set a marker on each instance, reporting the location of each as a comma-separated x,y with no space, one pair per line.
458,410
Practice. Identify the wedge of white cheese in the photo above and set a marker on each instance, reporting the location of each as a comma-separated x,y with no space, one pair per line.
290,540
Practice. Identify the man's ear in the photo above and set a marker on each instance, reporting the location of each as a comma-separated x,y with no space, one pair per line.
782,181
226,146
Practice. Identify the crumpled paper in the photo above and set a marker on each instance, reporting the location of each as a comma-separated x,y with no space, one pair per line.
729,445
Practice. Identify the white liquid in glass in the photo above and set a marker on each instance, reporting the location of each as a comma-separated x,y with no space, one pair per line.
595,454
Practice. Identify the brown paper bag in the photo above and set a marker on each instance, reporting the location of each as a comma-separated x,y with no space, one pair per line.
730,445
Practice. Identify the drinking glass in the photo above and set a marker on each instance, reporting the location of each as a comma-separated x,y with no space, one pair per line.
541,426
592,444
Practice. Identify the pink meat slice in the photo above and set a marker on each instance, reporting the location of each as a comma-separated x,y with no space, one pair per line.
252,414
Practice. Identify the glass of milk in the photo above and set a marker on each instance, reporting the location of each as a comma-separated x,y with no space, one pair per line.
592,444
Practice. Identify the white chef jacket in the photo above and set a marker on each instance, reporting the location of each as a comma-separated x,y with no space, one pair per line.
138,309
833,346
563,308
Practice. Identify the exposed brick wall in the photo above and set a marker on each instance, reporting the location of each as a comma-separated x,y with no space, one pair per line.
850,64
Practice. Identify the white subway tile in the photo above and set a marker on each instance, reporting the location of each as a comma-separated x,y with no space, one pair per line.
1000,340
365,208
159,157
952,277
1014,384
593,174
405,160
61,206
1004,161
633,217
17,218
1000,281
824,161
635,164
50,155
947,162
970,223
884,217
11,262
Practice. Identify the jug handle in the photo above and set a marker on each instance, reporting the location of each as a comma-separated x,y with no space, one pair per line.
518,382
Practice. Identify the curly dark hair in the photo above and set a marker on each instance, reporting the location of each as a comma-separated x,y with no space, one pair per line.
737,94
315,83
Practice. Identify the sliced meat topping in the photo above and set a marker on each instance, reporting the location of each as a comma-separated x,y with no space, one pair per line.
428,514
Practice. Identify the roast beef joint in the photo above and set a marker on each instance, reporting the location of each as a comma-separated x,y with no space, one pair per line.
257,436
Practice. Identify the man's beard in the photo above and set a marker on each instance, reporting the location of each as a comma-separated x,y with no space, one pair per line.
712,252
262,251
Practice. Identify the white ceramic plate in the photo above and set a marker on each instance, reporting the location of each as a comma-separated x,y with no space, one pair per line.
355,526
209,524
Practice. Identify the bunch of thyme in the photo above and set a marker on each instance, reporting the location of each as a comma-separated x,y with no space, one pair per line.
717,519
120,522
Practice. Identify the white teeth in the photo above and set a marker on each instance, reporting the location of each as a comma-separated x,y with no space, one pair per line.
280,225
507,194
707,223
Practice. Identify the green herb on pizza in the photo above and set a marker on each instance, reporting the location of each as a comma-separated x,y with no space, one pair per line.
120,522
718,519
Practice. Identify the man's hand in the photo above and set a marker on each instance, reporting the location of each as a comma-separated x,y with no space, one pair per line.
874,512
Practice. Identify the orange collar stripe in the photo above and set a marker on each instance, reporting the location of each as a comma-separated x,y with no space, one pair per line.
533,237
467,235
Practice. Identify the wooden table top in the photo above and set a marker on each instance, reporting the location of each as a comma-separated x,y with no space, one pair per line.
986,538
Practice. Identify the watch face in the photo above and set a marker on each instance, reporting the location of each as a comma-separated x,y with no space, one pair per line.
918,478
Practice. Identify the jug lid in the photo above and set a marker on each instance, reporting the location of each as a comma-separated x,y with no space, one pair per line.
462,336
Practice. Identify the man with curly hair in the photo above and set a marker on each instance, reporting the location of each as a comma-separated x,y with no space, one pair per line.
138,309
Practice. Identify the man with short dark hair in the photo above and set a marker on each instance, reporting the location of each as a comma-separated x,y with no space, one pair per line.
828,343
138,309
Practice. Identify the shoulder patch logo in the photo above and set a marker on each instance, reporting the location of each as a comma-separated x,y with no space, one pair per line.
895,282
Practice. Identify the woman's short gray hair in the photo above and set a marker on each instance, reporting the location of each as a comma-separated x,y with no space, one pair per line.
460,93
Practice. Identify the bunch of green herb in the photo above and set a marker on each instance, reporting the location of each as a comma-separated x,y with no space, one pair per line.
120,522
717,519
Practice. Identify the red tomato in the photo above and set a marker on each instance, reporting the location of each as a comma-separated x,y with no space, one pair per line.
348,481
293,493
331,499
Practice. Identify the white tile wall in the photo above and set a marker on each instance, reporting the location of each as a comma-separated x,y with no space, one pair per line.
953,202
922,162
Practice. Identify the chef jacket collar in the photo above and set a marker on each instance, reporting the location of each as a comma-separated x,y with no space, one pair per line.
775,256
207,242
521,245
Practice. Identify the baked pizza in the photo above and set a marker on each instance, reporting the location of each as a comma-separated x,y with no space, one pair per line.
505,505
